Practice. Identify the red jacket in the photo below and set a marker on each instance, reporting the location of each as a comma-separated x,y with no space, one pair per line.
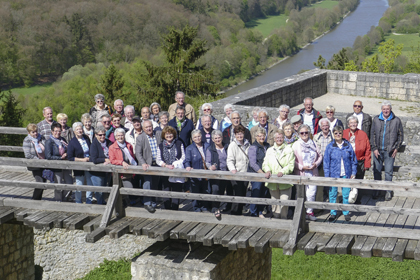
115,153
315,120
362,148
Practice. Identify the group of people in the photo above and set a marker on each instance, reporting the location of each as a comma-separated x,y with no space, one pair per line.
306,144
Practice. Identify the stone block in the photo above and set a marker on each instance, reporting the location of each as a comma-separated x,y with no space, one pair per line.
349,85
352,77
396,84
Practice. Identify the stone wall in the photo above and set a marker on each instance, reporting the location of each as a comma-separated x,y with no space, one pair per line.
176,259
65,255
388,86
16,252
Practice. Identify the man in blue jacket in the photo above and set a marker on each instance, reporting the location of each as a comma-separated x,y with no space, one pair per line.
386,137
182,125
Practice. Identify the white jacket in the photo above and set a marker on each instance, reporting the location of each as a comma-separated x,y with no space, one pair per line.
237,159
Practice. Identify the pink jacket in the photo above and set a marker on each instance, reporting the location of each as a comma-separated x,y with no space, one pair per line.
297,149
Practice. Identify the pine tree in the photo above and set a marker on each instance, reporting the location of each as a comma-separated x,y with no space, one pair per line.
112,83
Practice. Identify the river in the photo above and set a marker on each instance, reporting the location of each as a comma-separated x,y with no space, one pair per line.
359,22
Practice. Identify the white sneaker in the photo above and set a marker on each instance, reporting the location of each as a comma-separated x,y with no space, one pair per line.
310,216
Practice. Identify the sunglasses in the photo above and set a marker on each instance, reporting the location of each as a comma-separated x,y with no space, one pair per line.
329,112
206,109
304,133
100,134
106,121
338,133
357,106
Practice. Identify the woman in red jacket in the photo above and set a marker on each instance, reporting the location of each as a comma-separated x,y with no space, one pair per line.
121,153
361,146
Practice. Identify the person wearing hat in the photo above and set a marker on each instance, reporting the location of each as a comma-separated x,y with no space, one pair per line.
309,115
132,134
296,121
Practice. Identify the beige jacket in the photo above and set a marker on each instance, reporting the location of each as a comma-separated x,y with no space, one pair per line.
237,159
189,112
270,137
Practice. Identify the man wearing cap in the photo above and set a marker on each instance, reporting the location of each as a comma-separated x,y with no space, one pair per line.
365,120
309,115
296,121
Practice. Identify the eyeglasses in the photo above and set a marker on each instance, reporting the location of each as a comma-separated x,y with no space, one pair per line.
338,133
357,106
106,121
329,112
97,101
304,133
207,109
100,134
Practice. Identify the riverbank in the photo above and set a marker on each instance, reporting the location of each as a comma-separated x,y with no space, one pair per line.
285,58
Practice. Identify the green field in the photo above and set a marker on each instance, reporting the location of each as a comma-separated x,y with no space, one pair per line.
30,90
268,24
408,40
326,4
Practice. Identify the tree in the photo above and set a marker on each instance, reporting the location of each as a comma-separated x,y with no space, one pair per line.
390,52
11,115
180,71
112,83
320,62
351,66
413,66
371,64
339,60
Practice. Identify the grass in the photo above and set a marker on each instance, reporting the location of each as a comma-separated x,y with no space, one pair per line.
408,40
268,24
30,90
326,4
116,270
342,267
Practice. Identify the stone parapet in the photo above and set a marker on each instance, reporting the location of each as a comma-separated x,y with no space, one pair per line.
16,252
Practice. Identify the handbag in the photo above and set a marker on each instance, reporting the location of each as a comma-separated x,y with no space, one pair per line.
353,195
180,180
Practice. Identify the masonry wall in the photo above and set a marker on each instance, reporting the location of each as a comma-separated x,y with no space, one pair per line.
65,255
16,252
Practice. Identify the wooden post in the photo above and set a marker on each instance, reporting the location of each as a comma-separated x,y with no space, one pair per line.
119,209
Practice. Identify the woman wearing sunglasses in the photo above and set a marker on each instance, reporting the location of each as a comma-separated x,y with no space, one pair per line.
207,109
330,110
339,162
307,160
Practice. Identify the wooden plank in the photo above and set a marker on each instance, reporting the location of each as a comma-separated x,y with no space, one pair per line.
115,224
13,130
174,234
137,230
191,236
417,252
299,223
389,247
121,229
411,220
95,235
358,244
8,215
330,249
217,239
209,218
19,184
30,220
264,242
48,221
310,248
378,247
11,148
409,250
203,232
383,217
184,232
20,215
228,237
393,217
145,230
399,250
366,251
345,244
257,236
59,221
365,230
322,242
304,240
79,222
135,222
208,239
92,224
279,239
401,219
243,239
112,202
162,233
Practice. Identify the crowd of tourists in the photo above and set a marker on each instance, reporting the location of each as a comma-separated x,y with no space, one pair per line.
306,144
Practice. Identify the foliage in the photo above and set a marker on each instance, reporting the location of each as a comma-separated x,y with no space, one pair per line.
351,66
118,270
343,267
11,115
320,62
112,82
339,60
413,65
371,64
390,52
180,71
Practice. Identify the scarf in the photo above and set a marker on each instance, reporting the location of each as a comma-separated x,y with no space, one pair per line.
89,133
308,146
105,148
38,146
179,123
84,146
128,156
292,138
169,152
61,144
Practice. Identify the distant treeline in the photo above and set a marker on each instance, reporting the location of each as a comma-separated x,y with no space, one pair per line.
46,38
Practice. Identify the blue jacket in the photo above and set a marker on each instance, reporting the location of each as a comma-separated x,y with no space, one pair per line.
332,160
52,152
97,154
75,150
185,134
193,157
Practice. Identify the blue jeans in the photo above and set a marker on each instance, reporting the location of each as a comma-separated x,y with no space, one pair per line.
333,197
198,186
99,181
80,181
383,158
260,191
150,183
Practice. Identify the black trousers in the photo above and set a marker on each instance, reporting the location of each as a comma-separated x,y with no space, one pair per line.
239,189
218,187
37,195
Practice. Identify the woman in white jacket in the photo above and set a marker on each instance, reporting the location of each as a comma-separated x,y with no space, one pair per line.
237,161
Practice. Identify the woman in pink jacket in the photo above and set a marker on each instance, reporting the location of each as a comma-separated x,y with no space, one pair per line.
307,160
